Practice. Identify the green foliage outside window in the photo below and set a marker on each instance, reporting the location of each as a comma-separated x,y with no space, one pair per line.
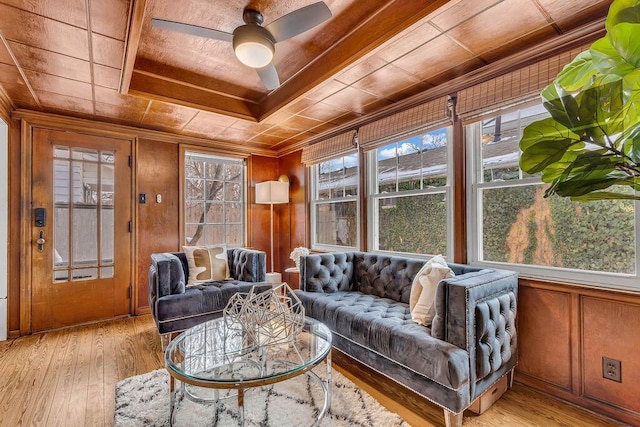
523,227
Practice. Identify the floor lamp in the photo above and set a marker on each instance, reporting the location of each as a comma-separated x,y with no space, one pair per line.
272,193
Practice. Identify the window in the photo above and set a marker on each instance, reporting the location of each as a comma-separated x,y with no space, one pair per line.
214,202
334,203
550,237
410,203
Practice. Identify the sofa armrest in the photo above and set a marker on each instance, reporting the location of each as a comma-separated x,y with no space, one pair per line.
477,312
166,276
326,273
247,265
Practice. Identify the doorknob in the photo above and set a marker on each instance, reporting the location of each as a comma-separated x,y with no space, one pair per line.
41,241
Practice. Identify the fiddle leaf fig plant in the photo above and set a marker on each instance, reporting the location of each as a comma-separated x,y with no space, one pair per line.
589,149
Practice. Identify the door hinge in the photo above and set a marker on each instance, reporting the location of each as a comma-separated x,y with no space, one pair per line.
130,226
130,291
130,161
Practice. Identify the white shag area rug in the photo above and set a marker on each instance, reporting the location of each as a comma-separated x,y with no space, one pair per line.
143,400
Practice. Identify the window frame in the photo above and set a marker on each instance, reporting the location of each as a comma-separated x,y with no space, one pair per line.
199,151
472,141
374,196
314,201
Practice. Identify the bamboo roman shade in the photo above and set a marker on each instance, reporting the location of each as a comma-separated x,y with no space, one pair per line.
422,117
511,89
337,146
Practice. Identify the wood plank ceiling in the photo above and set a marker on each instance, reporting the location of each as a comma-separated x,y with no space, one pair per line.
103,60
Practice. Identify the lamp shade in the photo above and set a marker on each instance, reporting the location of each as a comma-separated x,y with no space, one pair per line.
272,192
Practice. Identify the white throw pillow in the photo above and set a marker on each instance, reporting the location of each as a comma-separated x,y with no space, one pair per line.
206,263
423,289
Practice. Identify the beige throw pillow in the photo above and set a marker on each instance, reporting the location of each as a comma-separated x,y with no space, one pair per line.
423,289
206,263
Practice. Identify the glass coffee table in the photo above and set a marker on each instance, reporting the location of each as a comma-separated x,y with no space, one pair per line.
220,356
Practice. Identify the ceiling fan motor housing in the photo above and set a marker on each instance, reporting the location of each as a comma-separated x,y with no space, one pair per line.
253,45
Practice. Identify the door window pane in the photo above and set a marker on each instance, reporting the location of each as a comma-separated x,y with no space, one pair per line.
83,221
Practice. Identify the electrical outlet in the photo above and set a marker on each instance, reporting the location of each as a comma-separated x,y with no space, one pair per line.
612,369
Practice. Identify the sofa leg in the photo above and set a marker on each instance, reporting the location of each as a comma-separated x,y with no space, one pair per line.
451,419
510,376
165,339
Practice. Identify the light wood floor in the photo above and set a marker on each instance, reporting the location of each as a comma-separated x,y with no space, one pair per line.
68,377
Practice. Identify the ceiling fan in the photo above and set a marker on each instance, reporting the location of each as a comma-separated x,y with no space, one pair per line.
253,44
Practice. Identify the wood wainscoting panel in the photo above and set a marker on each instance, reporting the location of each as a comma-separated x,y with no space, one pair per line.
544,335
158,227
611,329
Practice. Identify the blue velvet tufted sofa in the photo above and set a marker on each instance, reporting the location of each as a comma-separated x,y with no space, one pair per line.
176,307
471,344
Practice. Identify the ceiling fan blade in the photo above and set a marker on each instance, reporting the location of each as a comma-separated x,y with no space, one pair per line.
269,76
193,30
299,21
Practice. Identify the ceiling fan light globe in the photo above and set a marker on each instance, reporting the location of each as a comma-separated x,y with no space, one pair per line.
254,54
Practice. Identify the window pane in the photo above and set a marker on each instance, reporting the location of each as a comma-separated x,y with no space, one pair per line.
233,191
409,160
194,212
434,159
214,170
336,223
500,143
215,213
195,189
233,172
233,212
415,224
521,226
214,201
387,166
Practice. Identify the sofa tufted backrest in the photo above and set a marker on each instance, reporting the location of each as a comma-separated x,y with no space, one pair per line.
326,273
385,276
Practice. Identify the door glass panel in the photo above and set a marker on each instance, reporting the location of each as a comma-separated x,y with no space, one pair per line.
106,272
83,214
61,212
107,186
61,152
84,274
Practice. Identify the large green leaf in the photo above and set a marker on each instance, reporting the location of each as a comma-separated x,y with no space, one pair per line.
561,105
599,109
591,171
631,90
604,195
545,142
623,27
577,73
607,60
631,145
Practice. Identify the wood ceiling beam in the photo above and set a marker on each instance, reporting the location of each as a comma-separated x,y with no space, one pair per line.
160,88
390,20
54,121
134,31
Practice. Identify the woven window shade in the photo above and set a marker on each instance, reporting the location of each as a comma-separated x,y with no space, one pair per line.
430,115
337,146
511,89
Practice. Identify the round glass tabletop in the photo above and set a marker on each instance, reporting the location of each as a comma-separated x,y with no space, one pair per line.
220,354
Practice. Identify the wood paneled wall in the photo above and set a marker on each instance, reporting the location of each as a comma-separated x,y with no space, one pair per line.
261,169
563,333
158,226
13,288
294,218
